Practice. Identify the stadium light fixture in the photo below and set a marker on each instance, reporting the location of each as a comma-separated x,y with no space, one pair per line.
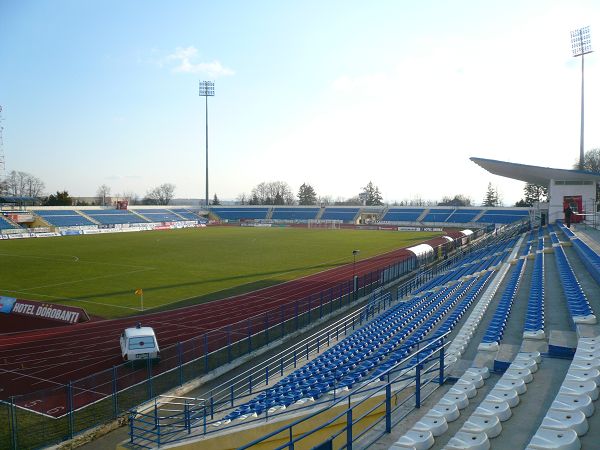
581,44
207,89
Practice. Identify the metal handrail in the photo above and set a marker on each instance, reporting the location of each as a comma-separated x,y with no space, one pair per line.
347,398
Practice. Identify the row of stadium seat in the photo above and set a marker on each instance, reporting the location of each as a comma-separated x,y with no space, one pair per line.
566,419
453,319
454,215
579,307
448,215
370,352
64,218
577,302
69,218
477,261
6,225
496,327
590,258
534,320
353,359
302,213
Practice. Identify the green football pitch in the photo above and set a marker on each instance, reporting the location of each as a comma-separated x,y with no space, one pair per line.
179,267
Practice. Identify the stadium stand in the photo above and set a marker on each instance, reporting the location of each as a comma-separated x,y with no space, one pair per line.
187,214
64,218
496,327
503,216
237,213
302,213
477,407
159,215
534,321
577,302
463,215
6,225
566,419
113,216
402,214
344,214
369,353
437,215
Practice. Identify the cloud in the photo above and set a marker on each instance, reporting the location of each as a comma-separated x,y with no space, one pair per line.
185,60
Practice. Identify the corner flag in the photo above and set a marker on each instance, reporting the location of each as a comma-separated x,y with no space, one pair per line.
139,291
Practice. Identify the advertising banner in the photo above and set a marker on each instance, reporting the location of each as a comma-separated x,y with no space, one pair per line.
59,313
70,232
6,304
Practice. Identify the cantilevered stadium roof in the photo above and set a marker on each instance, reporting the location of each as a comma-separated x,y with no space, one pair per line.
533,174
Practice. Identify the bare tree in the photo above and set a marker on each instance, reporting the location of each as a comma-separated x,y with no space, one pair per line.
131,197
242,199
591,161
23,184
160,195
457,200
273,193
325,200
102,193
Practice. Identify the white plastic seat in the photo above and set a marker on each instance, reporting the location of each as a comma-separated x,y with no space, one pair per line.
449,412
584,363
488,347
460,399
537,334
579,387
498,409
562,420
437,425
418,440
590,347
588,319
466,387
536,356
474,378
521,373
457,347
489,425
583,375
472,441
509,396
450,359
590,354
546,438
589,341
483,371
566,402
516,383
525,363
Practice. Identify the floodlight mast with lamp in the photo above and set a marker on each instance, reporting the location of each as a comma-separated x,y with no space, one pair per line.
581,44
207,89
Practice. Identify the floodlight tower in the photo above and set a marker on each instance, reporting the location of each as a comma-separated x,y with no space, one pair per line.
581,44
207,89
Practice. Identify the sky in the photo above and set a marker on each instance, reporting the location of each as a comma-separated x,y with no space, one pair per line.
330,93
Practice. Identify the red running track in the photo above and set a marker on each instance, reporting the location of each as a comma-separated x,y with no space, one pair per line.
50,358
